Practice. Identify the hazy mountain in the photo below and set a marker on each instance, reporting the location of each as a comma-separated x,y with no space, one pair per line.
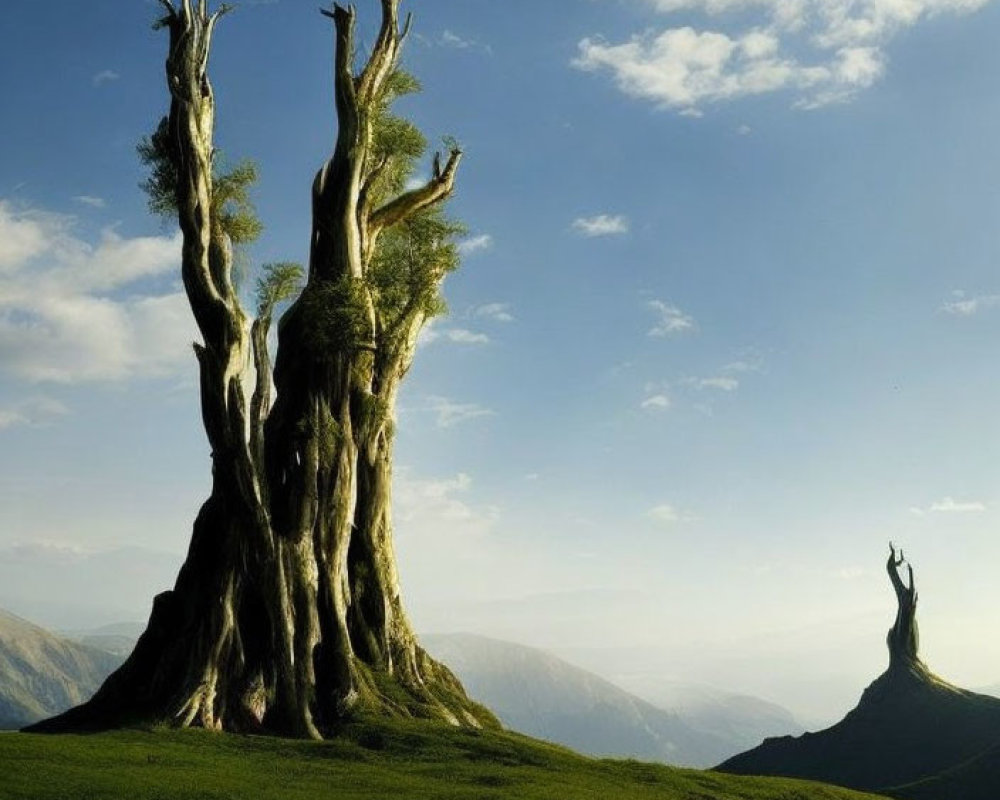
742,720
118,638
42,674
538,694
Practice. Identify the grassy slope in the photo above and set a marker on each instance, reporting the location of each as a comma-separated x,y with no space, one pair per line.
369,760
906,728
976,779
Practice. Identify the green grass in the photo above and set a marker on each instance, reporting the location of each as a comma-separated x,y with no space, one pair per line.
368,760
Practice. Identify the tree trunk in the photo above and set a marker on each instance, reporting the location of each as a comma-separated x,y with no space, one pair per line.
903,639
286,615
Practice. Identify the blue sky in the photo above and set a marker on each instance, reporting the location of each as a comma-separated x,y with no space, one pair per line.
726,323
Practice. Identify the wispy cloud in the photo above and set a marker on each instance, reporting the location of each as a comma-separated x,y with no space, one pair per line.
656,402
824,50
664,514
601,225
497,312
962,305
746,364
475,244
670,320
721,383
950,505
433,333
105,76
451,39
34,412
90,200
463,336
852,573
448,413
425,504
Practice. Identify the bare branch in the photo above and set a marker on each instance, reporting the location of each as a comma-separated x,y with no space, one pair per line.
408,204
384,54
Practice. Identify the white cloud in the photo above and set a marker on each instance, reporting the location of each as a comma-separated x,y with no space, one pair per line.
454,40
434,333
827,50
682,67
656,402
670,320
964,306
435,509
497,312
475,244
601,225
664,514
75,311
412,494
744,365
851,573
720,383
448,413
24,234
35,412
950,505
463,336
90,200
105,76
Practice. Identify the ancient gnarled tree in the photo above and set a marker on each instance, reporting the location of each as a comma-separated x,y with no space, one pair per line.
286,615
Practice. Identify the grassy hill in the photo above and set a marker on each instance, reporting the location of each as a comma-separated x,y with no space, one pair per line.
42,674
368,761
909,726
975,779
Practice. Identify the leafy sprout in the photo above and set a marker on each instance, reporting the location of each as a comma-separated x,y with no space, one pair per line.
280,282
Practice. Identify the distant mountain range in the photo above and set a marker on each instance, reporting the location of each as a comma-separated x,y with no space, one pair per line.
742,720
42,674
118,638
541,695
533,692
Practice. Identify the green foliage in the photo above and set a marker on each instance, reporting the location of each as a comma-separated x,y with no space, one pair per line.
279,282
411,258
397,144
232,209
337,316
369,759
410,262
159,153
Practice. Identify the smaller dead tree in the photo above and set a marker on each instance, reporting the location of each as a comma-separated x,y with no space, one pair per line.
903,638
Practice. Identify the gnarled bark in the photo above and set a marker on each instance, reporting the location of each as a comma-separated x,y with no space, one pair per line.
903,638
